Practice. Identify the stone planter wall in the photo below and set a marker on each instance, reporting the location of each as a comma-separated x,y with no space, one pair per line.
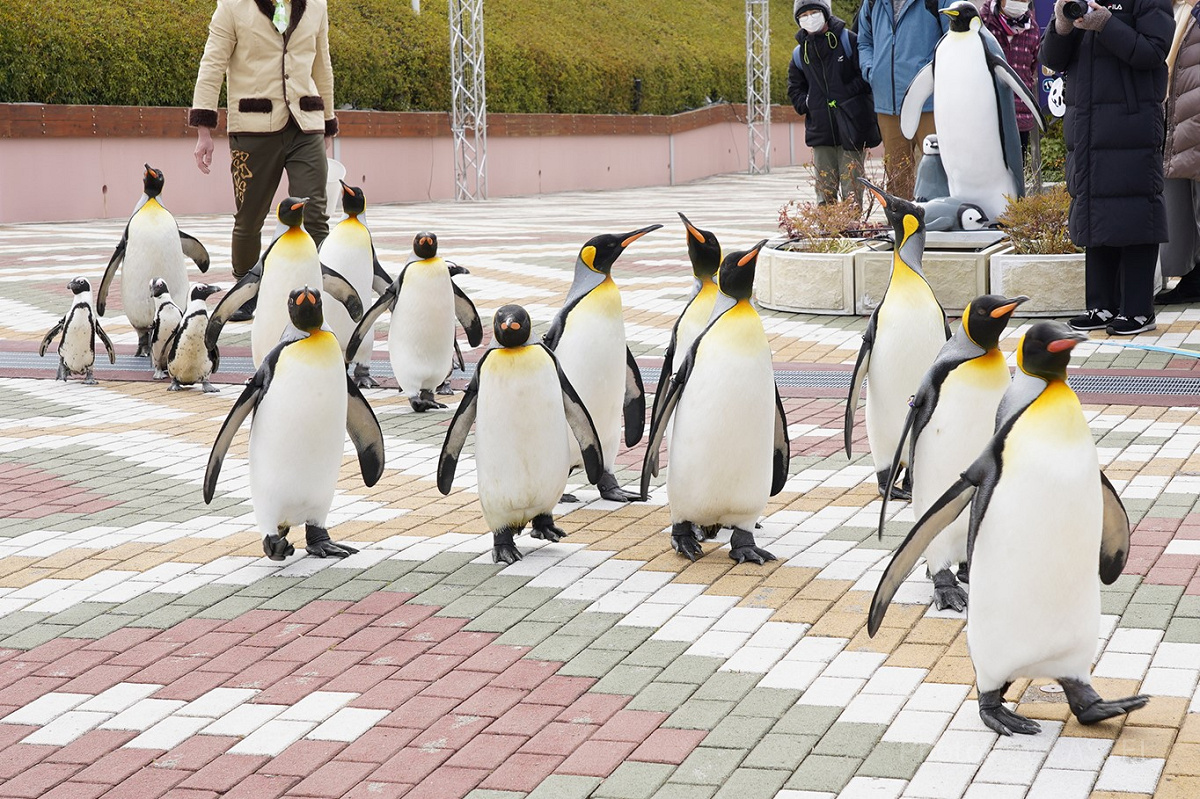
956,276
1054,283
805,282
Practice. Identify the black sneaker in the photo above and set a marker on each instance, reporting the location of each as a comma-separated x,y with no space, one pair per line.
1092,320
1130,325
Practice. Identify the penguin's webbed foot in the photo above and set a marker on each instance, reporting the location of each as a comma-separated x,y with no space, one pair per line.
1000,719
901,494
362,376
569,499
175,385
444,389
61,374
319,544
1089,708
611,491
545,528
424,402
947,593
89,379
159,374
143,347
964,573
709,531
685,542
277,547
503,548
209,388
743,549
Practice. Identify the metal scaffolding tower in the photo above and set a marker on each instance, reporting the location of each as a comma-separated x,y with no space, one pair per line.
758,85
468,97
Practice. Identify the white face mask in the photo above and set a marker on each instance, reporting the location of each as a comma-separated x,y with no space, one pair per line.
813,22
1015,8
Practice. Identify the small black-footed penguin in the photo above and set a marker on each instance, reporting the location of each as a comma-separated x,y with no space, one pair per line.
167,317
152,246
588,336
349,251
904,335
1046,528
730,451
424,303
303,403
952,417
290,262
931,175
79,328
523,408
189,360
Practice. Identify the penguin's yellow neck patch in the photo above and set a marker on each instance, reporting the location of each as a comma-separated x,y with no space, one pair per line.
319,348
508,361
588,256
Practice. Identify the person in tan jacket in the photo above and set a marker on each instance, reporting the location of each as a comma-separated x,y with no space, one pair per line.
274,57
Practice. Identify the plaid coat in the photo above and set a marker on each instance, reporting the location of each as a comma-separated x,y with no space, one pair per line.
1020,49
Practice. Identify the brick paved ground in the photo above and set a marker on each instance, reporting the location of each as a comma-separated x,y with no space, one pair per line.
147,649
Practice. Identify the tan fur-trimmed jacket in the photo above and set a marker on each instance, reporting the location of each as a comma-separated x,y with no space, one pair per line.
270,75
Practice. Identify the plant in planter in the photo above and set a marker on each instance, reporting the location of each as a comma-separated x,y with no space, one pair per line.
1043,264
821,227
1036,224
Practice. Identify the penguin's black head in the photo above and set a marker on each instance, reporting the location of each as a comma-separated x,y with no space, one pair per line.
202,291
291,211
601,252
961,14
152,181
905,216
354,202
1046,350
703,249
79,285
512,326
425,244
985,318
304,307
736,276
158,287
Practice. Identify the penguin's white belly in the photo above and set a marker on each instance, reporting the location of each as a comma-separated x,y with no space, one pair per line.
691,325
521,451
77,348
168,319
271,318
152,250
421,334
592,355
191,363
347,251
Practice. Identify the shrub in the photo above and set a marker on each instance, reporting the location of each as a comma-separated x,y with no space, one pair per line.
822,227
1037,223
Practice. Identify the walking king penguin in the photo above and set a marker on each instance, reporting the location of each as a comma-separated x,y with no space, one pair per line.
730,450
189,359
1046,527
424,303
522,405
588,336
291,262
974,112
167,317
79,328
952,417
349,251
904,334
304,403
151,246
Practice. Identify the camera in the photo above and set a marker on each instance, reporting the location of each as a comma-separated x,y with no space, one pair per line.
1074,9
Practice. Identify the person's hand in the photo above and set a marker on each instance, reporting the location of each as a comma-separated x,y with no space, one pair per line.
1062,25
1095,19
204,149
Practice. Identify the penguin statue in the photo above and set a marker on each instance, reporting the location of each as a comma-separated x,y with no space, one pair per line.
588,336
290,262
167,317
951,213
303,403
349,251
151,246
189,360
1043,517
730,451
974,111
931,173
904,335
78,329
523,408
952,417
424,303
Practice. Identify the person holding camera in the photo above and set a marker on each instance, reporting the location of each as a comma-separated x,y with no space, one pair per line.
1114,60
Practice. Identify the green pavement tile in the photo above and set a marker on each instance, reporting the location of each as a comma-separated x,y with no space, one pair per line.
327,579
472,574
294,598
823,773
81,613
167,617
441,594
699,714
780,751
501,585
100,626
665,697
146,603
591,662
708,765
634,781
11,623
414,582
624,679
856,534
855,740
1158,594
675,790
770,702
1113,603
561,786
1145,616
727,686
389,570
559,610
33,636
691,669
624,638
1189,607
1183,631
527,633
657,653
230,608
526,597
496,619
270,586
895,760
446,562
470,606
354,590
753,783
558,647
591,624
738,732
206,595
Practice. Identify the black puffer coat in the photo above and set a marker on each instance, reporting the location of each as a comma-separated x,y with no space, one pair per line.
1114,87
821,71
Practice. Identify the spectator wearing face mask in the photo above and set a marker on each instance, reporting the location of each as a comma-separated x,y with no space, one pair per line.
1018,33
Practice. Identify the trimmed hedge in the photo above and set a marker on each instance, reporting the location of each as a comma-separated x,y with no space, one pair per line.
549,56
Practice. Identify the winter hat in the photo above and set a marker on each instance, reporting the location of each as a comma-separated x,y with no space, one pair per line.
806,5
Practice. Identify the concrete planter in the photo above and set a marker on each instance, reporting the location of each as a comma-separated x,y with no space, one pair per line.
806,282
1054,283
955,264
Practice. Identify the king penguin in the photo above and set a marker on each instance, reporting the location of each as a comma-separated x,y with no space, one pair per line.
349,251
79,328
588,336
974,112
1046,528
904,335
730,451
522,406
424,303
303,403
189,360
151,246
167,317
290,262
952,417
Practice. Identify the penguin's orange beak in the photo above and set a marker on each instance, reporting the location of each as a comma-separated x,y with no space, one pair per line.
637,234
306,296
1005,310
1062,345
691,229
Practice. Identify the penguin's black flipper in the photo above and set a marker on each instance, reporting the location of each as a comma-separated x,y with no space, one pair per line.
108,345
380,279
920,90
110,271
1008,76
909,420
783,447
245,290
468,317
214,355
664,373
242,407
635,401
366,434
580,422
54,331
1114,542
338,287
456,434
193,249
856,381
658,425
364,327
458,360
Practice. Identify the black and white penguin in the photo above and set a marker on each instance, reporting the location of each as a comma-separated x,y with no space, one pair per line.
290,262
1046,528
424,303
349,251
152,246
951,213
189,360
730,451
952,417
167,317
931,174
303,403
523,408
904,335
588,336
79,328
